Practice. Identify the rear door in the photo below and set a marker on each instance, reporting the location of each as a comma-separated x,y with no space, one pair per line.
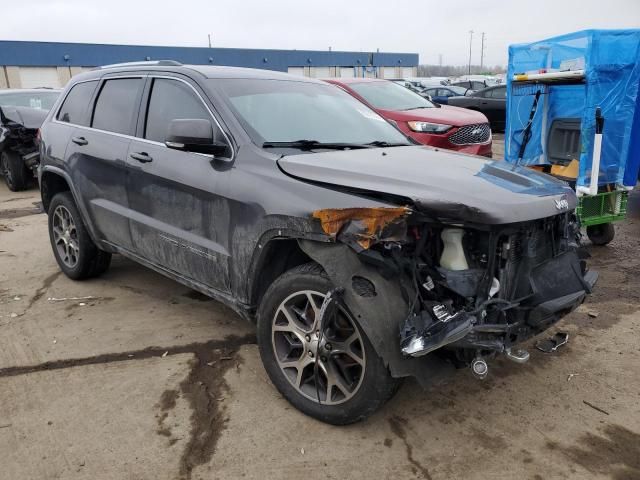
97,156
181,216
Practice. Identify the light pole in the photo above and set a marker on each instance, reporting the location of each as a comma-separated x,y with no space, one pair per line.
482,52
470,43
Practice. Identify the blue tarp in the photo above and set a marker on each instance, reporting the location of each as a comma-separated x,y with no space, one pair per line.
611,60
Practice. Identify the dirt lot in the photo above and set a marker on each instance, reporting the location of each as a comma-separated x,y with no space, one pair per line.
132,376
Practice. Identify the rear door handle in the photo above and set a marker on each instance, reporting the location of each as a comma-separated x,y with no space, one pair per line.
142,157
79,140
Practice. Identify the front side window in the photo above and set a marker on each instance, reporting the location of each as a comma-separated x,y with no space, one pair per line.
74,107
389,96
288,111
116,105
171,100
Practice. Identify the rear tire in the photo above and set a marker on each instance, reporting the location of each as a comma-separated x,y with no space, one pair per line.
15,172
352,380
601,234
78,257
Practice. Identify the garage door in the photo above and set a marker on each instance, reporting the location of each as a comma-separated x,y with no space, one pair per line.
389,72
320,72
347,72
33,77
296,71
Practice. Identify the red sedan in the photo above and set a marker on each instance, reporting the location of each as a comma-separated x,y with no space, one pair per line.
426,122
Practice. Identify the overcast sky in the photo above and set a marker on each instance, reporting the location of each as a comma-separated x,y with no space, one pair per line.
426,27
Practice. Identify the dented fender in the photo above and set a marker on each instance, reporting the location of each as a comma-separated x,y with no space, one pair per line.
381,314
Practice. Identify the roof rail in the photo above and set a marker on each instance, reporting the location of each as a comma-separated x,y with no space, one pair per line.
158,63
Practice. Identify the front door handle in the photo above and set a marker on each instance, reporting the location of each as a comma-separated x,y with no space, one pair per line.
79,140
142,157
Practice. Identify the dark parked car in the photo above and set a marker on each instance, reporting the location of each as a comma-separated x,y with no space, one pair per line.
419,118
491,101
361,257
21,114
442,95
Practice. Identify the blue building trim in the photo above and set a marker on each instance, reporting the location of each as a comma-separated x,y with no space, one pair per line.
45,54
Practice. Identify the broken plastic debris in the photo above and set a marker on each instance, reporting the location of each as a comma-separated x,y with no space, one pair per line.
67,299
16,298
82,304
553,343
55,341
165,354
592,314
302,451
13,315
571,375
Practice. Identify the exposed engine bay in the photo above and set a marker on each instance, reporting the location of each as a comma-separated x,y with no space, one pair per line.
469,290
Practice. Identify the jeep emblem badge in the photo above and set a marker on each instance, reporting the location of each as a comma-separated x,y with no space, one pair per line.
561,203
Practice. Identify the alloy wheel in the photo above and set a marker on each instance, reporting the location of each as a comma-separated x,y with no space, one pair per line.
325,367
65,236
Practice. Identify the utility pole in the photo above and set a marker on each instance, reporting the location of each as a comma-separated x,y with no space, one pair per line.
440,59
470,44
482,52
209,35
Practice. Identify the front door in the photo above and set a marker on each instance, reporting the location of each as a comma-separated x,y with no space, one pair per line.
180,216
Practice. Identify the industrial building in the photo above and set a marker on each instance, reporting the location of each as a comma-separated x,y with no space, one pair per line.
52,64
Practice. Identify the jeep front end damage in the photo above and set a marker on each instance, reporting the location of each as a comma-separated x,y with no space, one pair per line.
421,285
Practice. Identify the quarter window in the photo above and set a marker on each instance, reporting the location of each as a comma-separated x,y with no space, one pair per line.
74,107
171,100
116,105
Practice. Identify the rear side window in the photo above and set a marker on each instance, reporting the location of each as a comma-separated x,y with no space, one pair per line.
499,92
171,100
74,107
117,105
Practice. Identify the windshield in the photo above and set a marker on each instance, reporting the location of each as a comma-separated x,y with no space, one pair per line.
39,100
390,96
280,111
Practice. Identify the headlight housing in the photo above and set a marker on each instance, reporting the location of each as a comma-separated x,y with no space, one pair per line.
427,127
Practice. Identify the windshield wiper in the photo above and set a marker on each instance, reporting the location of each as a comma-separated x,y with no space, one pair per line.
382,143
314,144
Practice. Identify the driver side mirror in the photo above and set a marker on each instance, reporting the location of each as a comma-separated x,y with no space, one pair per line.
194,135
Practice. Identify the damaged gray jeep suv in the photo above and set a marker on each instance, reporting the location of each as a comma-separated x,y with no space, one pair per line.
363,258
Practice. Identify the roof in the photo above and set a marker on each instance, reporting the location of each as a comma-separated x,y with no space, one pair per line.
205,70
41,54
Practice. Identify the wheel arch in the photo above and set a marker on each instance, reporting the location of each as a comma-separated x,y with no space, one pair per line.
276,256
54,180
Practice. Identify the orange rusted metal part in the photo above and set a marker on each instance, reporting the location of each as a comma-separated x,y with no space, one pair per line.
371,222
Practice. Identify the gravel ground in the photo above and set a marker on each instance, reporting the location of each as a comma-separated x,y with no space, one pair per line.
132,376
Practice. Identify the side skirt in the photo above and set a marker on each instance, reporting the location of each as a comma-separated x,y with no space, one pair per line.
240,308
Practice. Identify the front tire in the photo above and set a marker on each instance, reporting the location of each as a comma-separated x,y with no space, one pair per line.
14,171
337,376
78,257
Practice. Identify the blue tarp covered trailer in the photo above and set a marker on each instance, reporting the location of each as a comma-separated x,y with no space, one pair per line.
558,91
610,61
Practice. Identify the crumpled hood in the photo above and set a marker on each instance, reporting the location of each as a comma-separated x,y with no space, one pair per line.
449,185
